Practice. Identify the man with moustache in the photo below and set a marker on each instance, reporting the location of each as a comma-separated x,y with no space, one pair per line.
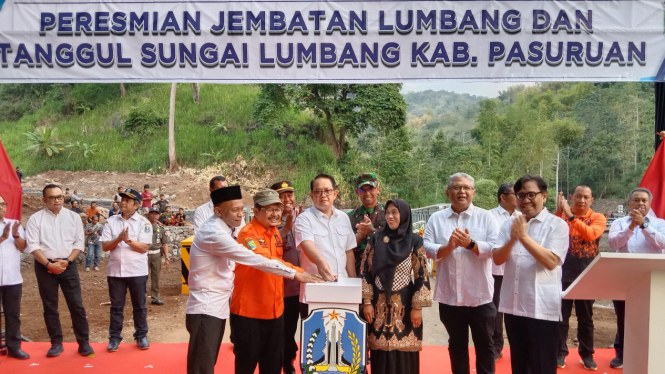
211,278
292,255
460,239
533,246
54,237
369,216
585,227
638,232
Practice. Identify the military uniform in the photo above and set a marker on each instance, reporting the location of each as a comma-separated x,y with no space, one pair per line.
378,218
159,237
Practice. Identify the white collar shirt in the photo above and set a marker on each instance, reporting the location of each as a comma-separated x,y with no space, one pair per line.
332,236
207,210
528,288
124,262
211,275
501,215
638,240
56,235
10,256
463,278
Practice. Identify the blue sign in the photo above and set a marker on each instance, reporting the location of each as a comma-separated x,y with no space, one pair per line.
333,341
2,2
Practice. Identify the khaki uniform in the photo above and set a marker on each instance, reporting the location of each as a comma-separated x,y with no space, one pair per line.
159,237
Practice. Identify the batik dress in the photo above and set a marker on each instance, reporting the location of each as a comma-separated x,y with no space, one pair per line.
394,343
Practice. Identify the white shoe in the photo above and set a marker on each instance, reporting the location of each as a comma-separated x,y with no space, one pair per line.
96,268
87,270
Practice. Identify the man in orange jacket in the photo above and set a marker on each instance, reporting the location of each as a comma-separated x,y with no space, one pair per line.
257,305
586,227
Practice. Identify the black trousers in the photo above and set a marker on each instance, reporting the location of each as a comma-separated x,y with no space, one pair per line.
70,284
584,313
304,310
10,297
620,310
458,320
497,337
205,339
118,292
260,343
533,344
291,316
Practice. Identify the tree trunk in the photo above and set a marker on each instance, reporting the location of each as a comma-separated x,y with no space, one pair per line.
196,92
123,92
173,163
337,149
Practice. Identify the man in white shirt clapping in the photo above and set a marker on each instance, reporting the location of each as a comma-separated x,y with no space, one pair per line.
460,239
640,231
54,237
533,246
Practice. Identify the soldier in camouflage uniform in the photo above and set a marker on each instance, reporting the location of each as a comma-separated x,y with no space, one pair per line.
367,217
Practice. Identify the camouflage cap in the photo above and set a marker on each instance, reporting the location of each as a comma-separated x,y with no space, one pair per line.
367,179
266,197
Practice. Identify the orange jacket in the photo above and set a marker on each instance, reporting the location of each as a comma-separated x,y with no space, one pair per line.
585,233
257,294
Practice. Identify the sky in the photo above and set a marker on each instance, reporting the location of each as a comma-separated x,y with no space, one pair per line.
487,89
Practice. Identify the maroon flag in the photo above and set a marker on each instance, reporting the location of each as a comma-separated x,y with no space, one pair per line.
10,186
654,181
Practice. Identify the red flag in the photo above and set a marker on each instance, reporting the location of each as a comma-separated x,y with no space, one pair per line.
654,181
10,187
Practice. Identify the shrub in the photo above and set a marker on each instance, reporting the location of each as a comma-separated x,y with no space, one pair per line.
143,122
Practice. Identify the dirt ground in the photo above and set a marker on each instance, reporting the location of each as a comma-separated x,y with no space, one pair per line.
167,323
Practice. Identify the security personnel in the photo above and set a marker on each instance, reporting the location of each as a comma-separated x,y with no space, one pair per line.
257,304
369,216
158,248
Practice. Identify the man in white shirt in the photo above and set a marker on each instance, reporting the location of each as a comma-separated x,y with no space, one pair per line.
117,198
507,208
211,278
12,242
54,237
207,210
325,237
128,237
640,231
533,246
460,240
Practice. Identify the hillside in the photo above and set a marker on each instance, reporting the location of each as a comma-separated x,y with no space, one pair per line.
429,111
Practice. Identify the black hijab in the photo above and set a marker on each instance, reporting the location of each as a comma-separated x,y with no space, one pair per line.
398,248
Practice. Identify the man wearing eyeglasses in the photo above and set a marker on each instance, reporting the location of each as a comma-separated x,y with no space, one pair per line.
325,237
55,238
257,304
586,227
369,216
533,246
12,242
460,239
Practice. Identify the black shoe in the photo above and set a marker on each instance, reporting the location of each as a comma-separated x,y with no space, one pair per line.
157,302
617,362
561,362
289,369
86,350
589,363
55,350
143,343
20,355
113,346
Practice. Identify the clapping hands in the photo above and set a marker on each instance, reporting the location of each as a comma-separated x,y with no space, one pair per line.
365,227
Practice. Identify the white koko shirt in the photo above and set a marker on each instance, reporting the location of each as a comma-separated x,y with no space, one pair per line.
501,215
333,237
211,276
124,262
462,278
638,240
10,256
528,288
57,235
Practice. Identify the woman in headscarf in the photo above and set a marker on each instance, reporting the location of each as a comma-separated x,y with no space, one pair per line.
395,288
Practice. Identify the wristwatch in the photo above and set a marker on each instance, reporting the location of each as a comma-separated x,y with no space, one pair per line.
471,244
644,225
571,219
69,262
16,236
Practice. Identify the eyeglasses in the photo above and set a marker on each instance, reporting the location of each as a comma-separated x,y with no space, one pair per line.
273,211
530,195
362,191
54,198
323,192
3,205
461,188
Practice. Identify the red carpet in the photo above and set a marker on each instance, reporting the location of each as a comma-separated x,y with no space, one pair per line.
170,358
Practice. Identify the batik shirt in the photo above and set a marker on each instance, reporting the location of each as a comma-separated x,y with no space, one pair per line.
378,218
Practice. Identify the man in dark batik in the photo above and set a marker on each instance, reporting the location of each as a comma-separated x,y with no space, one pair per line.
367,217
394,314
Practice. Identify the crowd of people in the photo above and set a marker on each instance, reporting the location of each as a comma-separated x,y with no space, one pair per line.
502,267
